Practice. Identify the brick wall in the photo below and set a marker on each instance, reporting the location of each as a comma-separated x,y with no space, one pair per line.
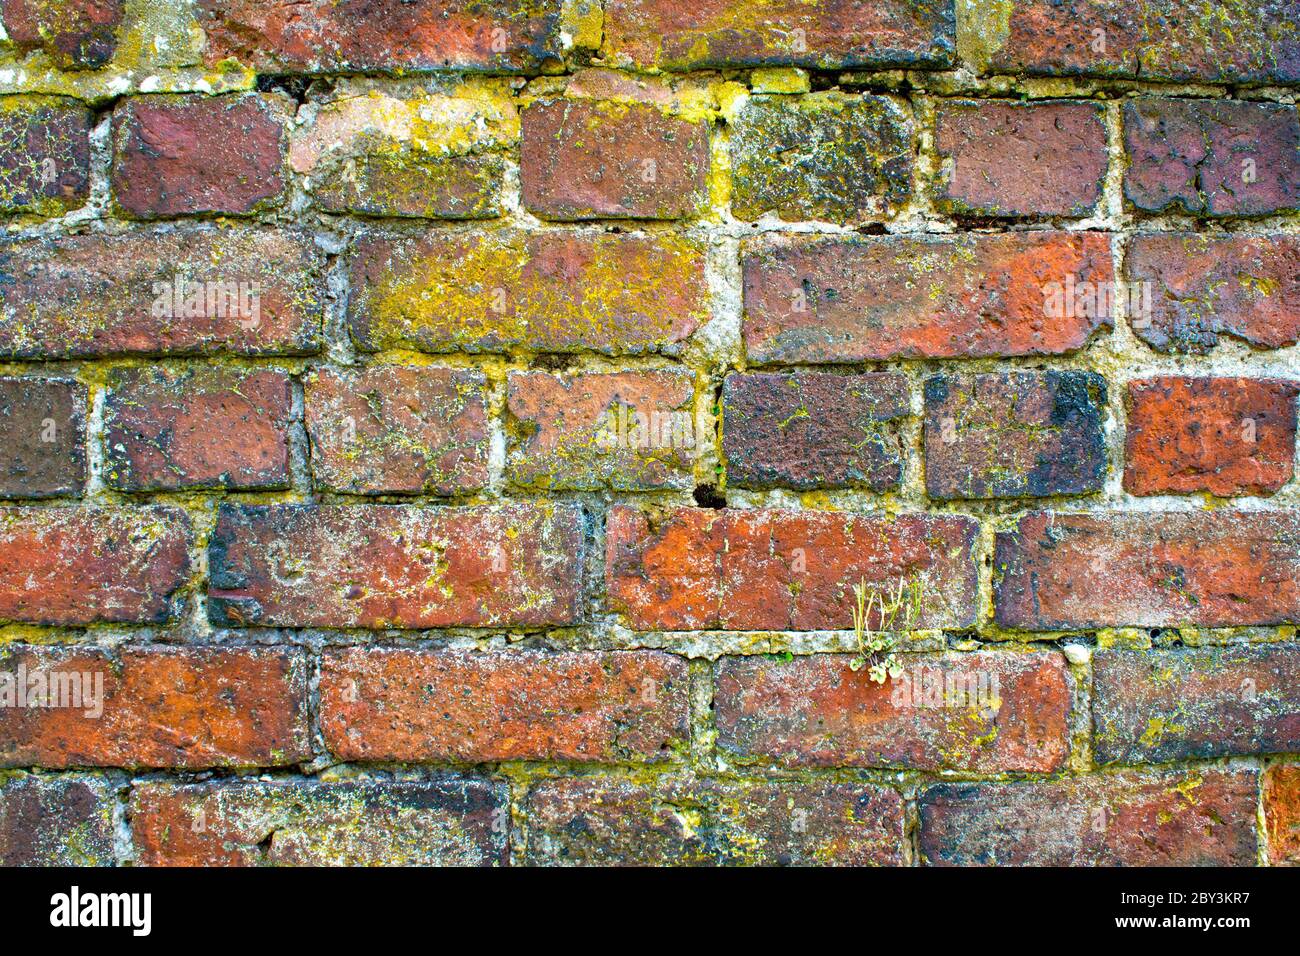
450,432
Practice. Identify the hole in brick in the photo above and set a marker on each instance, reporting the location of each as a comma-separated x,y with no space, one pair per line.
708,496
550,363
873,229
295,87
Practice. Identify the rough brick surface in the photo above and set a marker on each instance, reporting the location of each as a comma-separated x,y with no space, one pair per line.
445,822
414,185
1210,157
201,428
179,155
838,300
840,159
1006,712
1205,287
693,568
1156,706
627,430
1282,814
392,429
588,160
813,430
1148,569
55,821
1170,818
683,822
43,437
392,566
1227,436
548,292
76,34
182,292
159,707
44,155
1020,159
1014,434
82,566
461,707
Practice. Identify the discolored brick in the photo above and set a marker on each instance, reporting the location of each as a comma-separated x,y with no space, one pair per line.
44,155
1282,814
43,437
415,185
76,34
56,821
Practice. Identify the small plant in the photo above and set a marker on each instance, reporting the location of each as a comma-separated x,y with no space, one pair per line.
897,610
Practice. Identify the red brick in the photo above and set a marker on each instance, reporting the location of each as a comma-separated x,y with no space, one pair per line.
1147,569
393,429
380,704
148,293
516,565
84,566
544,292
1161,40
684,822
811,430
45,153
176,155
186,707
450,821
1282,814
1006,712
693,568
43,437
200,427
887,297
1212,157
1170,818
592,160
583,432
1162,705
1202,287
841,159
413,184
343,36
1015,434
1227,436
833,33
999,158
76,34
56,821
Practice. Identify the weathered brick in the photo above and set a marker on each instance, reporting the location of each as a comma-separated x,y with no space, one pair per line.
202,427
414,185
986,712
624,430
1162,40
176,292
87,565
1015,434
515,565
545,292
999,158
76,34
382,704
1161,705
186,707
811,430
449,821
1227,436
1147,569
589,160
1173,818
886,297
342,36
1212,157
55,821
692,568
834,33
43,437
176,155
393,429
1282,814
685,822
1201,287
44,155
843,159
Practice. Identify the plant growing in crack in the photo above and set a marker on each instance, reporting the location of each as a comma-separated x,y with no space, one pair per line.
897,610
